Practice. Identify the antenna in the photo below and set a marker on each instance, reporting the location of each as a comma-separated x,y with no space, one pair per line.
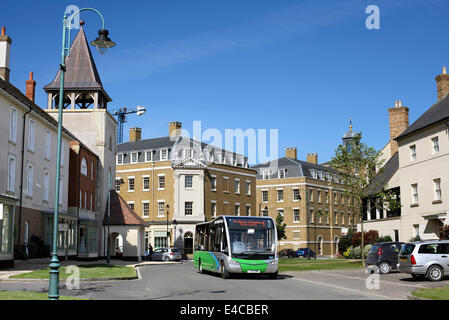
121,118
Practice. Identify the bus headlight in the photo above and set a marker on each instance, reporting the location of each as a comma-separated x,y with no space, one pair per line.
234,262
273,262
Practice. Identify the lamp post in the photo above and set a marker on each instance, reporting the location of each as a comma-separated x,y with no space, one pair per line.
168,237
102,43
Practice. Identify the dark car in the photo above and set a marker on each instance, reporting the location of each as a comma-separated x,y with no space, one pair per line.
287,253
384,255
302,252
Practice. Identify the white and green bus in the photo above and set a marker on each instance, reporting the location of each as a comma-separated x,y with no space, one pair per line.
234,244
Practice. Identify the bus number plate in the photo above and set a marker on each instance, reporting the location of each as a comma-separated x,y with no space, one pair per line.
253,271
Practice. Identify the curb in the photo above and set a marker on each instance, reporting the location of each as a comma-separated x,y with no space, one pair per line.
63,280
412,297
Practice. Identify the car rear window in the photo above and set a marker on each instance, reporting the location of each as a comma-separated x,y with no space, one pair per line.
374,249
407,249
174,250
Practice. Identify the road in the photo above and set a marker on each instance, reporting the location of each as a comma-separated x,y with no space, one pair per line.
183,282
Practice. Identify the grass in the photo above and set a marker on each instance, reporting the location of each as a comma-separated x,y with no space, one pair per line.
87,271
439,293
301,264
29,295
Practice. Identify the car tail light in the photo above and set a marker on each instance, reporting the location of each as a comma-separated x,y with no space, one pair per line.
171,253
412,259
379,252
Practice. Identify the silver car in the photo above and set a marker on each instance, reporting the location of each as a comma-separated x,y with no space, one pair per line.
425,259
166,254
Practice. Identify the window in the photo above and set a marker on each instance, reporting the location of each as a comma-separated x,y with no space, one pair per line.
311,216
91,202
280,194
412,152
30,174
13,125
265,212
161,182
92,169
237,209
437,189
120,158
188,208
296,235
248,188
237,186
327,197
188,183
280,212
264,196
320,175
295,215
335,217
148,156
335,198
266,175
248,210
31,134
296,196
146,183
131,184
117,185
225,184
10,186
415,193
134,157
145,209
213,209
213,183
435,145
47,144
164,154
81,200
160,208
131,205
320,216
84,167
313,173
46,186
319,196
281,173
342,221
85,200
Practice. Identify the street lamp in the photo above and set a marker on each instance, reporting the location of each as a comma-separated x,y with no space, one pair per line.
168,238
102,43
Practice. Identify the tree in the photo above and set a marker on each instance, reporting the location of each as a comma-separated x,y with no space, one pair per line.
444,232
280,227
356,163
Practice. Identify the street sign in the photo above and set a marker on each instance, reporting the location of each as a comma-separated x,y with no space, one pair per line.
63,227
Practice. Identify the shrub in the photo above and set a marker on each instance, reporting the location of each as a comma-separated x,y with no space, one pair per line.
37,248
20,252
417,238
369,237
351,252
357,253
444,232
387,239
344,243
366,249
346,253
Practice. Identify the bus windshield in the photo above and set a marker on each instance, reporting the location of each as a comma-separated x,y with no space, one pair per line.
251,238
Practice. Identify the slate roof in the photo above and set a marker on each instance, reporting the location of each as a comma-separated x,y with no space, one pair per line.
436,113
382,178
294,168
121,213
81,71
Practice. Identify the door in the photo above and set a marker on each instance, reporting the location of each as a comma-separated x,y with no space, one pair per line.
157,254
443,255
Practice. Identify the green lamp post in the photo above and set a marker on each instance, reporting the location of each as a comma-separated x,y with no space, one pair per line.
102,43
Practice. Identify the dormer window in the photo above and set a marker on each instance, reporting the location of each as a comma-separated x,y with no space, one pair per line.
320,175
313,173
120,158
134,157
149,156
164,154
281,173
266,175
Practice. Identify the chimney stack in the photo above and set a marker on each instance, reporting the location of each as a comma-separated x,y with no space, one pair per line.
291,153
135,134
442,84
399,121
30,88
5,44
174,128
312,158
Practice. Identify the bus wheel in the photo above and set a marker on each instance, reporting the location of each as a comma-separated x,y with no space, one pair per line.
273,275
200,267
224,273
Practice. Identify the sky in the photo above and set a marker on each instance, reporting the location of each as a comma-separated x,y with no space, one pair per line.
303,67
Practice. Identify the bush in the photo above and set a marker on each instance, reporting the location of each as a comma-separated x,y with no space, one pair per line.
366,249
357,253
383,239
444,232
369,237
20,252
344,243
417,238
351,252
37,248
346,253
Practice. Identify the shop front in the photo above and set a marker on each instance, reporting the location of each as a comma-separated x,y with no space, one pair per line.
67,234
7,208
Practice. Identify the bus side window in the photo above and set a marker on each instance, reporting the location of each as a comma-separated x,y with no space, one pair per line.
224,242
217,241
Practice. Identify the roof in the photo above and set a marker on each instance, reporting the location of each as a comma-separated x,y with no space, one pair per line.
121,213
384,176
294,168
81,71
436,113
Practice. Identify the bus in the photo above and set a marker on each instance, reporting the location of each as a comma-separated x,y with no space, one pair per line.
235,244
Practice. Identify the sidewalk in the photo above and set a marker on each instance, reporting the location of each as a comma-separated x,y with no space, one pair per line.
24,266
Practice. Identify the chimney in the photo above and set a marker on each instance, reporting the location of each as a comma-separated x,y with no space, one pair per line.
291,153
5,44
312,158
398,117
174,128
442,84
30,88
135,134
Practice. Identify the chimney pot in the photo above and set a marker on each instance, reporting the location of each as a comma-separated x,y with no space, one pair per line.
30,88
174,128
5,44
3,31
135,134
442,84
291,153
444,69
312,158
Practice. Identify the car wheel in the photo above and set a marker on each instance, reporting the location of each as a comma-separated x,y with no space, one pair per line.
166,259
384,268
435,273
224,273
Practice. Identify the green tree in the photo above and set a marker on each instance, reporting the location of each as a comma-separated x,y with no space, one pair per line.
356,163
280,227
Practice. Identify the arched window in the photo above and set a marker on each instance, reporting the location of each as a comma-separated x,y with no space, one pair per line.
336,240
320,245
84,167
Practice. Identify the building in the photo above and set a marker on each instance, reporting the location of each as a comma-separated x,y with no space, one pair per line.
309,198
86,116
174,182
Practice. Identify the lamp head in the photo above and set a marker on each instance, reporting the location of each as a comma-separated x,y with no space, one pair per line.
103,43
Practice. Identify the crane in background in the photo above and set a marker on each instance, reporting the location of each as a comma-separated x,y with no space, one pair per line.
121,118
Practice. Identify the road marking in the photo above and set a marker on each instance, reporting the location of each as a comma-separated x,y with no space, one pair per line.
344,288
364,279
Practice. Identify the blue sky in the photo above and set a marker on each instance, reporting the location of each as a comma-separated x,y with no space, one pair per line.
302,67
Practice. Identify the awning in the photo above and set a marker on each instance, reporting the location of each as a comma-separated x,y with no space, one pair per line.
433,216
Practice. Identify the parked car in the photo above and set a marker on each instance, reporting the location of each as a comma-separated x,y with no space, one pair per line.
287,253
425,259
302,252
384,255
166,254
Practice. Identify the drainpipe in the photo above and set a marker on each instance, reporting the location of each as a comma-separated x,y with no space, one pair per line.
21,174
